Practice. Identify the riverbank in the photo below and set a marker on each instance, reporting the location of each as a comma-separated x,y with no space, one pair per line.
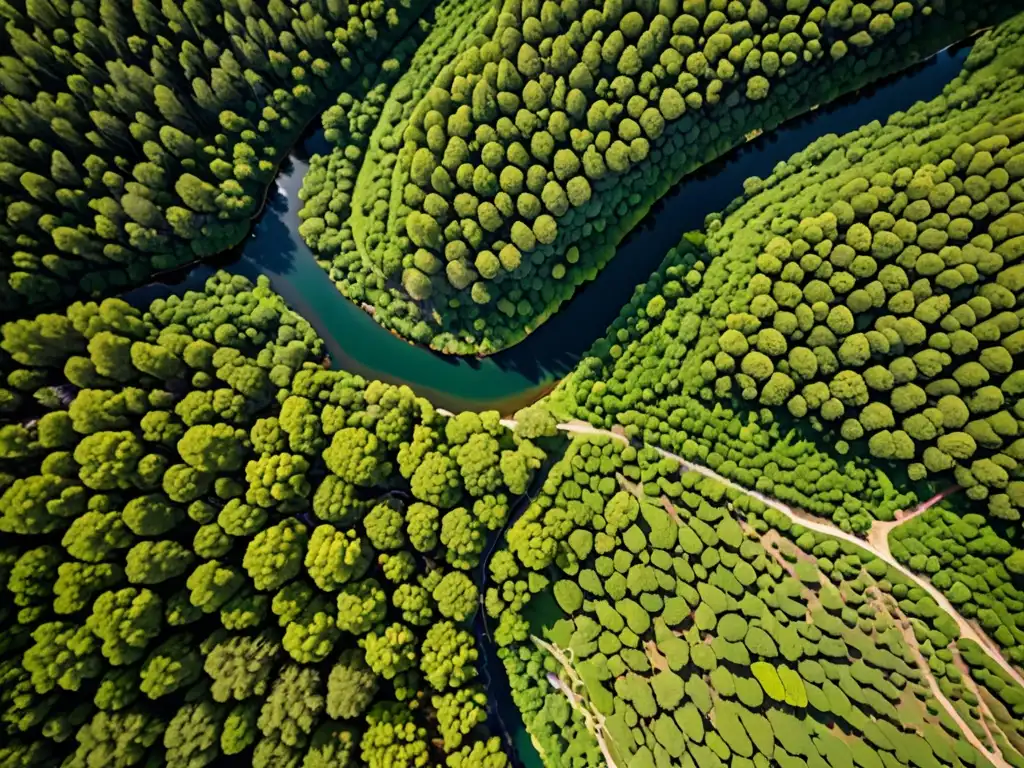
519,376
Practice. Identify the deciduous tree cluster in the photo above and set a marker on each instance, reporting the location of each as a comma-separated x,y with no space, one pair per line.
212,546
688,628
498,175
867,290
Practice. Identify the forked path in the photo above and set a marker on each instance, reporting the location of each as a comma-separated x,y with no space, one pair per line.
992,755
878,535
967,630
876,543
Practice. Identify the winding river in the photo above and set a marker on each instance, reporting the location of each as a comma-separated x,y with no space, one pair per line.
516,377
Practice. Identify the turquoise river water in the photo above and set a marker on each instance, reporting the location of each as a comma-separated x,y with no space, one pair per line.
516,377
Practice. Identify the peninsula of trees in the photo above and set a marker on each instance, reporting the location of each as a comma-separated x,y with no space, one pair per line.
213,547
467,198
136,137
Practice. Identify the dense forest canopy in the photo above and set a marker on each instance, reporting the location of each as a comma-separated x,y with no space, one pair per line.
867,288
140,136
466,201
843,334
773,517
695,633
220,548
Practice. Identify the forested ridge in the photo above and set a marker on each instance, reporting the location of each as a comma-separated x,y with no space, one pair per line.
812,347
141,136
503,177
216,548
864,288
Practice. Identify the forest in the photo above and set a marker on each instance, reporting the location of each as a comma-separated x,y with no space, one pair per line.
467,200
772,517
140,136
220,547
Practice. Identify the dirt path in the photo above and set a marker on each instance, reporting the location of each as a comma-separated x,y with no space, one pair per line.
993,755
878,535
967,630
772,537
575,427
582,428
876,543
986,714
593,720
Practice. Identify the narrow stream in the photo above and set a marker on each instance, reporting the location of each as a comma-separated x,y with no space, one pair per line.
518,376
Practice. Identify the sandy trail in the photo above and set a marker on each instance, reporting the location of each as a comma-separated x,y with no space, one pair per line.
571,689
878,535
876,542
967,629
992,755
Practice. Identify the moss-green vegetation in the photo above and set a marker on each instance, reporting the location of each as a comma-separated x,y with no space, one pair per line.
643,377
876,357
827,657
141,136
213,546
214,550
976,568
508,162
777,637
348,192
884,286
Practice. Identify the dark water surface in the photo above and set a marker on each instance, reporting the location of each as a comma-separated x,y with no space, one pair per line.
518,376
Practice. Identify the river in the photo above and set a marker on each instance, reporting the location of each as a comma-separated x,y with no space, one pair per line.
516,377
